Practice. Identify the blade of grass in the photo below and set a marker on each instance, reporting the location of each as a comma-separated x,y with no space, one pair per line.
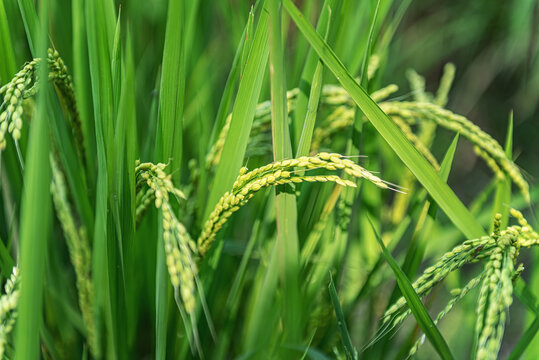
127,110
347,199
116,173
426,175
422,233
364,79
312,75
29,18
242,115
240,126
236,71
169,146
9,167
414,302
350,350
248,42
81,82
502,197
34,226
101,81
161,300
7,65
525,340
422,236
172,90
285,201
525,295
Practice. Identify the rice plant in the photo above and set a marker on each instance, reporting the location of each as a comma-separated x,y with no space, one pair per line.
277,189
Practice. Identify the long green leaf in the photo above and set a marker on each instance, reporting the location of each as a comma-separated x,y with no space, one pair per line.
285,202
439,191
525,340
35,213
81,82
101,80
312,74
29,17
242,115
7,65
502,198
350,350
169,144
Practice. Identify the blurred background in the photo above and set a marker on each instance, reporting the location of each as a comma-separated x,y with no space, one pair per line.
495,47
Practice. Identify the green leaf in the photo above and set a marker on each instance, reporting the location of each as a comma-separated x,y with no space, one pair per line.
312,78
426,175
7,65
98,39
81,82
502,198
525,340
35,220
285,202
350,350
169,146
242,115
29,18
172,89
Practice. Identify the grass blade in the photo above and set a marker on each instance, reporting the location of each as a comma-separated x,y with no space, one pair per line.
169,146
29,17
34,226
502,198
242,115
285,201
351,352
312,74
101,80
7,65
525,340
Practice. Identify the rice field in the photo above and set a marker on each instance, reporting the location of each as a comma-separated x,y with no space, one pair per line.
271,179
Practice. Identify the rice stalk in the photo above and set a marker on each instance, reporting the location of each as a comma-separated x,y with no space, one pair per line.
24,85
417,84
79,250
427,110
445,85
468,251
500,249
331,95
278,173
8,309
156,186
496,294
458,294
463,126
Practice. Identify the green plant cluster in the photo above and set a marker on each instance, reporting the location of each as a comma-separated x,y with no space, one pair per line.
132,227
